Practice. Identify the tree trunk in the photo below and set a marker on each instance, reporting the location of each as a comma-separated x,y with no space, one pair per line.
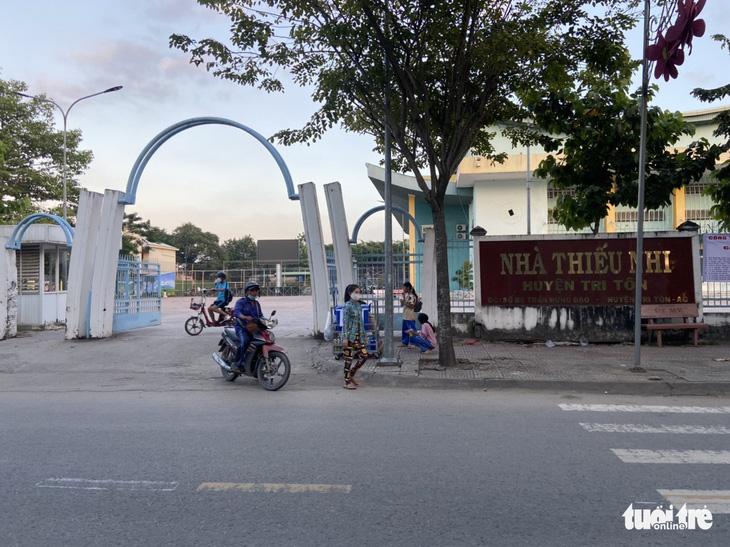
447,358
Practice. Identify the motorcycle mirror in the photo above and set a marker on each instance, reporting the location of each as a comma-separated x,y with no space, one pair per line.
273,313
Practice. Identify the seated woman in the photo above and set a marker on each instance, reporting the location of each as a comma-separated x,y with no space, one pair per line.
424,339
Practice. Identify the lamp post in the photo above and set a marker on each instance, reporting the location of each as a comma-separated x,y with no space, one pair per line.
65,120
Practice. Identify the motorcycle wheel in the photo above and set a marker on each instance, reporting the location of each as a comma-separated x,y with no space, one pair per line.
226,355
274,374
194,326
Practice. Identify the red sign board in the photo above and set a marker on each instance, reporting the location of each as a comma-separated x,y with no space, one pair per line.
584,272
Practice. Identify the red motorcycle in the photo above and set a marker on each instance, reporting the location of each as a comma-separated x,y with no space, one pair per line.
195,324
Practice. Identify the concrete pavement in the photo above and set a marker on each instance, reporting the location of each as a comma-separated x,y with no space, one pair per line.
166,358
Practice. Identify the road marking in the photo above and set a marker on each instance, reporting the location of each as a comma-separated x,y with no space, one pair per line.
638,428
717,501
673,456
648,408
273,487
105,484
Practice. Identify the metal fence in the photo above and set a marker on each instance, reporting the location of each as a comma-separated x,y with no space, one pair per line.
137,301
295,281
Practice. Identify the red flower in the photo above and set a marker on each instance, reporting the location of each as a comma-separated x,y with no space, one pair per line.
668,52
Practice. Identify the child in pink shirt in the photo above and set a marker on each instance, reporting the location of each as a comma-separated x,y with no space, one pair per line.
425,339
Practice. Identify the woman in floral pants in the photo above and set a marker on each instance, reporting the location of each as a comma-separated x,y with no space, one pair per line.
353,333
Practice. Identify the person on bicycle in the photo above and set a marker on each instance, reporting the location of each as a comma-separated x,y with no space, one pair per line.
221,285
246,311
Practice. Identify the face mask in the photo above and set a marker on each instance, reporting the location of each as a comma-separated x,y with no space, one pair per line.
252,297
219,280
355,297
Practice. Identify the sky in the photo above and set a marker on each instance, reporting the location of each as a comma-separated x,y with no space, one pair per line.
219,178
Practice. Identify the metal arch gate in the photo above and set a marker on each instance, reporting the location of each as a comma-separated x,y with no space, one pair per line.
137,297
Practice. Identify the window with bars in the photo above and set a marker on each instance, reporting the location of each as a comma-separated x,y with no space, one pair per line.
695,188
28,263
698,214
633,216
555,193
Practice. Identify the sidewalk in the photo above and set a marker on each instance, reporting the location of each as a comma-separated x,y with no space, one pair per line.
166,358
603,368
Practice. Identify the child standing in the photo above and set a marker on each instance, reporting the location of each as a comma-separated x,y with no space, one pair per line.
409,300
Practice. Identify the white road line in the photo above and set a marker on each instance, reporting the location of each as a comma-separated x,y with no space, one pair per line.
286,488
648,408
638,428
717,501
673,456
105,484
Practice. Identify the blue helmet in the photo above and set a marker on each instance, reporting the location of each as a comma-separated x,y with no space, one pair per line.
251,285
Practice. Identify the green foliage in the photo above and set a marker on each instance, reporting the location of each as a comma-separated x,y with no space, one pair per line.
454,65
31,157
197,247
239,252
719,187
594,131
133,223
464,276
303,256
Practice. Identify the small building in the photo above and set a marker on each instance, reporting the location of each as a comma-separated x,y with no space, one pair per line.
42,267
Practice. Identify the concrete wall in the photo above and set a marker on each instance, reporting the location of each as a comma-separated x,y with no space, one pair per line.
8,292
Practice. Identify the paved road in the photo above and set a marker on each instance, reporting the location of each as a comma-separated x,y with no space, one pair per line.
236,465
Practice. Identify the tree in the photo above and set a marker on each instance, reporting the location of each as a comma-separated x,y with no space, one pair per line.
31,156
239,252
196,247
464,276
595,131
719,187
133,223
454,67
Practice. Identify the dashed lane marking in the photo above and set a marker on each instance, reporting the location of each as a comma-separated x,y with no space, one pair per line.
673,456
287,488
648,408
105,484
638,428
717,501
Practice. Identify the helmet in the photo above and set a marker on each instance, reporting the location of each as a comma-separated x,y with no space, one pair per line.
251,285
221,274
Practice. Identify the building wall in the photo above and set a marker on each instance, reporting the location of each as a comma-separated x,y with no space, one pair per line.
494,199
455,214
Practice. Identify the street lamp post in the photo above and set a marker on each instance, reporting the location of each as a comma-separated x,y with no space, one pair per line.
65,120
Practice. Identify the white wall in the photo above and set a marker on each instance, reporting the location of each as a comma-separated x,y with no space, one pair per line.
494,199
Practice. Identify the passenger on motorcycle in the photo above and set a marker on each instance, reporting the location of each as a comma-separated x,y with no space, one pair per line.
221,285
246,312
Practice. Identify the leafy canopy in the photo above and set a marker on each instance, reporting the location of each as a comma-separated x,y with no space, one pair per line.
719,187
592,133
31,156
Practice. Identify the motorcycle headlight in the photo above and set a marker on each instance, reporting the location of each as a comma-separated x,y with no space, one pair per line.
272,336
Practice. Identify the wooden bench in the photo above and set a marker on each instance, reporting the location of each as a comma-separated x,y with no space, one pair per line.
672,311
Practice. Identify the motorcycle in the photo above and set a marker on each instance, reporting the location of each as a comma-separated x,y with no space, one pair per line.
263,360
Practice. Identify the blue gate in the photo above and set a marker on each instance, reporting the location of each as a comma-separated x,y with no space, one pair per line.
137,300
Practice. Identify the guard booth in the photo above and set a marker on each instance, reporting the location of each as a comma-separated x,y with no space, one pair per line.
42,268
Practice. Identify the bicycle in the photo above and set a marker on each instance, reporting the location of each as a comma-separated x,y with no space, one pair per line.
195,324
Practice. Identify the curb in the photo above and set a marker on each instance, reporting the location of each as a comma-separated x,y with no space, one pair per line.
615,388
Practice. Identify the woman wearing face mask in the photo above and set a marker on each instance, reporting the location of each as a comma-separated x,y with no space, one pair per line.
353,334
247,309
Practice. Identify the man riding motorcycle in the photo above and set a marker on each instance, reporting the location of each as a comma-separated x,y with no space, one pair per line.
246,312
